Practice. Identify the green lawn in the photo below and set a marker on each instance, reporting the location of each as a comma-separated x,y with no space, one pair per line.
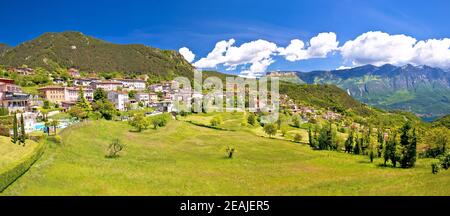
184,159
10,153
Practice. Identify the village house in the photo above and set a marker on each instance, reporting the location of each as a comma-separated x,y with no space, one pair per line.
74,73
12,97
132,84
153,97
156,88
107,85
84,81
60,94
144,98
119,99
24,71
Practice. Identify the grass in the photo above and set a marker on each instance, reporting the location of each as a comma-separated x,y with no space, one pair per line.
184,159
10,153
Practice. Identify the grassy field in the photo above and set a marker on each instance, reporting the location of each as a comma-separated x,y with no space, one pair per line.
10,153
184,159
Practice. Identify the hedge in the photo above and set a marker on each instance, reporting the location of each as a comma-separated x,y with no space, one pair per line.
13,172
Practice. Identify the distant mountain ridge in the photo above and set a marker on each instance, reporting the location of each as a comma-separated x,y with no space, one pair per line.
4,47
421,89
74,49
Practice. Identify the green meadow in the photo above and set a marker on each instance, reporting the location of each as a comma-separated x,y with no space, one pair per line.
186,159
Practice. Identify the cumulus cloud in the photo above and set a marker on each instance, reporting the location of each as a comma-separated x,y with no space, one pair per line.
319,47
187,54
374,47
432,52
380,48
255,54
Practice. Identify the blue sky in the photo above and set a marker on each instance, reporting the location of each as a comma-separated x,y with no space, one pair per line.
199,25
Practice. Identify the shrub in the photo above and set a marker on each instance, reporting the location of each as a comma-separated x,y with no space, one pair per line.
270,129
445,161
216,121
297,138
115,148
230,151
435,167
251,119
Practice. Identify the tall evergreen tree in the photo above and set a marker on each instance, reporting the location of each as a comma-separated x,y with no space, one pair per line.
349,143
380,139
15,137
408,144
23,135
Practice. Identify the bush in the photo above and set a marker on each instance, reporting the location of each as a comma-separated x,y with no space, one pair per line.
270,129
435,167
297,138
216,121
230,151
115,148
251,119
445,161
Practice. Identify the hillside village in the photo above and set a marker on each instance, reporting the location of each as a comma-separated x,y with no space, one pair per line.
125,94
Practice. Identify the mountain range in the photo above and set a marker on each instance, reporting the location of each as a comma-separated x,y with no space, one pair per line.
420,89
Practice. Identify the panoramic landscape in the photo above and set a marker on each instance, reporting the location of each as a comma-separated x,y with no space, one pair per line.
176,109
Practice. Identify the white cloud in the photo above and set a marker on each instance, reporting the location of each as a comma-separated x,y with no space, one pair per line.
319,47
378,48
257,54
374,47
432,52
187,54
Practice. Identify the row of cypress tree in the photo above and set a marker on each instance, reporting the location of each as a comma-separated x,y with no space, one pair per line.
403,152
18,136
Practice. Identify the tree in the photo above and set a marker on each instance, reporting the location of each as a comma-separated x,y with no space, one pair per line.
15,137
54,123
390,151
310,138
23,135
78,113
132,94
270,129
357,149
296,120
349,142
115,148
106,108
83,103
408,143
100,95
251,119
325,140
381,141
3,111
139,121
438,140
